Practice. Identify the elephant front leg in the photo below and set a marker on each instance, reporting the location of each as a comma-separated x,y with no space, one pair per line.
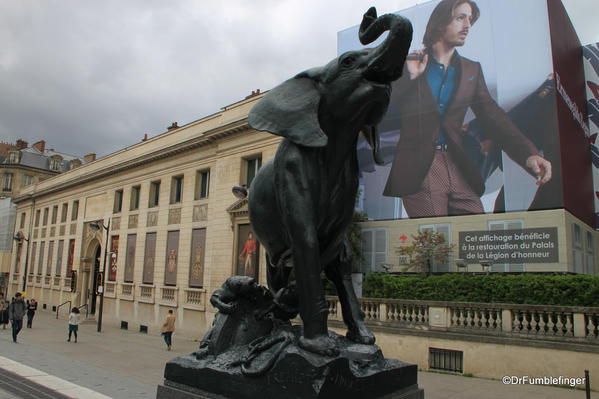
313,307
339,272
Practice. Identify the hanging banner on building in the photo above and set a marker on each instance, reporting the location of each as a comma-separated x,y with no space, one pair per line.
32,261
59,258
248,249
70,258
172,254
149,259
537,245
471,121
40,261
114,249
49,261
196,265
591,71
130,258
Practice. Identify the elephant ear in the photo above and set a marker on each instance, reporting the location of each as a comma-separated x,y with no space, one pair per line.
291,110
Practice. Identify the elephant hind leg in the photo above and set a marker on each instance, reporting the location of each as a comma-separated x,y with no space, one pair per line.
339,272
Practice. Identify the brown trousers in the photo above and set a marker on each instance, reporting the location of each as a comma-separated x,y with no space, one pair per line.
443,192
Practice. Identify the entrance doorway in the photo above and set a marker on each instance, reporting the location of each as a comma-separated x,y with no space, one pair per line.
95,277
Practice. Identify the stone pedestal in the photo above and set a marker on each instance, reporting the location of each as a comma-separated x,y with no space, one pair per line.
359,371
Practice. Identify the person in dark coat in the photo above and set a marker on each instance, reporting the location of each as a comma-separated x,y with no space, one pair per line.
31,308
16,312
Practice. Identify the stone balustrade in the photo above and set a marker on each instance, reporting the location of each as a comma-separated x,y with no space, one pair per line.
564,323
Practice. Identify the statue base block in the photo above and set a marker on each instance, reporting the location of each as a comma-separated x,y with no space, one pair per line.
359,371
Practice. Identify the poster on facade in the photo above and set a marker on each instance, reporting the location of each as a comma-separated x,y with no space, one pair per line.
172,255
49,261
248,250
40,261
114,257
196,262
32,260
534,245
18,266
149,259
58,270
591,71
70,258
130,258
473,113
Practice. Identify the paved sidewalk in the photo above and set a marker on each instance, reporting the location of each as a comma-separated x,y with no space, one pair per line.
127,364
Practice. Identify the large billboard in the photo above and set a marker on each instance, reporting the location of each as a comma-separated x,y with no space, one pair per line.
472,125
591,71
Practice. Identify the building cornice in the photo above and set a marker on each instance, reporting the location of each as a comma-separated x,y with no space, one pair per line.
27,167
205,139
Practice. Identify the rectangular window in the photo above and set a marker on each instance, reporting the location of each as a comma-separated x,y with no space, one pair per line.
135,191
40,261
27,180
22,222
75,210
445,230
196,263
154,194
32,261
374,249
446,360
37,217
590,254
7,182
176,189
130,258
506,225
202,183
577,249
63,214
45,218
252,167
54,214
172,255
149,259
118,201
59,258
49,261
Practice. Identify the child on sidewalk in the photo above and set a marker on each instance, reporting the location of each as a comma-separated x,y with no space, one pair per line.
74,320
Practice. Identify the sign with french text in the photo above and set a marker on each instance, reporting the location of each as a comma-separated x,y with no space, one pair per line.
535,245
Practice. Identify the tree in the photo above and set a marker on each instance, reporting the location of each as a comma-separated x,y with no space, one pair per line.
427,247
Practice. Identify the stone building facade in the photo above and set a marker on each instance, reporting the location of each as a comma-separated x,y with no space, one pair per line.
158,224
165,208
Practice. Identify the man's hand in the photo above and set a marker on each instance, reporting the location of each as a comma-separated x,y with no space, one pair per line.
416,63
540,167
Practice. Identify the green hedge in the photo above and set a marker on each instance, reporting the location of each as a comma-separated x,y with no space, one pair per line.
564,290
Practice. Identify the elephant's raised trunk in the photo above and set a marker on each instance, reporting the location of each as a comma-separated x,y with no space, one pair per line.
388,59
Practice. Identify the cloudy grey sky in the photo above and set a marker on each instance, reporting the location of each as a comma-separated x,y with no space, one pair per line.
94,76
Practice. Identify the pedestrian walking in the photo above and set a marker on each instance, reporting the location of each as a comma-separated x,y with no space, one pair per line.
31,308
3,311
168,327
74,320
16,312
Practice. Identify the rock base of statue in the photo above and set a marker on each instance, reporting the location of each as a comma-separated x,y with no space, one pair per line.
359,371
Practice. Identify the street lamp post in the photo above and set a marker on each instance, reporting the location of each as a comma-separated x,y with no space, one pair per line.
18,238
96,225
